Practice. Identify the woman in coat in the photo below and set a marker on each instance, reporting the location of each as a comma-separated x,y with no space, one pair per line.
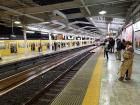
126,66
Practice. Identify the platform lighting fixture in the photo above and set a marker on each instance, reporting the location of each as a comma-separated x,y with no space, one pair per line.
31,32
19,26
44,23
17,22
102,12
44,33
13,36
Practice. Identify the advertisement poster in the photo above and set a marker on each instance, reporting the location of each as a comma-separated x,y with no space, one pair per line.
137,40
136,27
127,33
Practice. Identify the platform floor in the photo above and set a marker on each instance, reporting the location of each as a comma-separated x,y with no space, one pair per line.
114,92
18,57
97,84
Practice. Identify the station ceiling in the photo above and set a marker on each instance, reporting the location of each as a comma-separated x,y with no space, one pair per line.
77,16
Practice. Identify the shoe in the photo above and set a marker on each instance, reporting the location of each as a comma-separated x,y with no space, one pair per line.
121,78
127,78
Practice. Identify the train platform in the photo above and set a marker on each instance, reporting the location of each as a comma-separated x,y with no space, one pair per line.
18,57
96,83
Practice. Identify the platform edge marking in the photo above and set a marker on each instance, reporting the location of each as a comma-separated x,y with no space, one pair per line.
93,91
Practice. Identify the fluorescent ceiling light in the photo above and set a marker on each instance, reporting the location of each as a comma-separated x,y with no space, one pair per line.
44,33
17,22
31,32
19,26
44,22
102,12
32,28
13,36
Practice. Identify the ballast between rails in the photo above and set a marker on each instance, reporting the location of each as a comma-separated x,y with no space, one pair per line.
20,82
51,84
28,62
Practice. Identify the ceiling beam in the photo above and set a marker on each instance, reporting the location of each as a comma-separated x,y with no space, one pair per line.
109,2
62,6
111,23
87,27
86,7
20,13
48,8
106,28
76,22
75,15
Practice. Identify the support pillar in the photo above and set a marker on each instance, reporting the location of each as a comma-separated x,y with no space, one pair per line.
50,41
25,39
81,41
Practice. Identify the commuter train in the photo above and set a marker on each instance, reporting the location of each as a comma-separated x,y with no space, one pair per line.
9,47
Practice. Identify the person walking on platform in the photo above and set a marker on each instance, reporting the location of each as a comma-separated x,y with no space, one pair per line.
119,48
126,66
111,44
106,49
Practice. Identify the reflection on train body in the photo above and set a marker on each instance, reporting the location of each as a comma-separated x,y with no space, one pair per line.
8,47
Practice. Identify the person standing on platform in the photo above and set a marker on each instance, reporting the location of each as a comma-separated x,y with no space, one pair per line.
119,48
111,43
126,66
123,44
106,49
123,47
33,47
40,48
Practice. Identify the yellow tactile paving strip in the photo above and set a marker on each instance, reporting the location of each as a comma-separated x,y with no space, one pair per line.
74,92
93,92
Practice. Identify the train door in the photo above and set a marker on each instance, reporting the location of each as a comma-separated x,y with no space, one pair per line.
13,47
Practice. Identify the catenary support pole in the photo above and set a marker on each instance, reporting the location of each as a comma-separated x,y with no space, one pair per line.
25,39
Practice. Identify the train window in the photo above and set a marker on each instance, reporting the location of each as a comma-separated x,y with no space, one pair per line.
21,45
7,46
13,47
2,45
43,44
27,45
36,44
30,44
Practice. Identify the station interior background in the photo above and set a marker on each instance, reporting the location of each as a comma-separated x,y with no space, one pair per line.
69,18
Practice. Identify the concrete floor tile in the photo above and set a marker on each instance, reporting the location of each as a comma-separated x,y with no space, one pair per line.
114,92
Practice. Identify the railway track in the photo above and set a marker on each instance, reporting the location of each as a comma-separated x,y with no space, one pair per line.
46,60
50,91
29,83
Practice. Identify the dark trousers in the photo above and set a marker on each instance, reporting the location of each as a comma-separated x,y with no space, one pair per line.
126,74
106,54
112,49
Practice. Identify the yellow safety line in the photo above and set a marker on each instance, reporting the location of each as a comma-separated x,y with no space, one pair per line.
93,92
